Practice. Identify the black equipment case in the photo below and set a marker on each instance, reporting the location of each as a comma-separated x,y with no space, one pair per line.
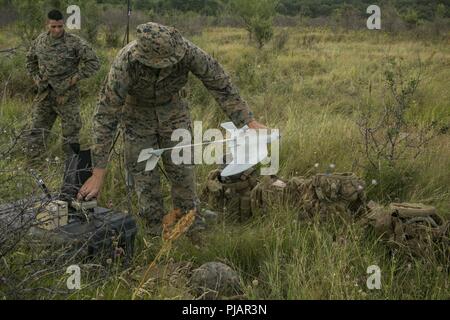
87,232
102,233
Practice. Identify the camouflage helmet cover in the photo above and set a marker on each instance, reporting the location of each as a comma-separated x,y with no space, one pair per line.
159,46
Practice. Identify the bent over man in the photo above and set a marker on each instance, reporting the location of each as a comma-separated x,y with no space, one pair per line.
143,87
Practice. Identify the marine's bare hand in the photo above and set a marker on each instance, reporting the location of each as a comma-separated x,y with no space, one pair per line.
91,189
256,125
74,80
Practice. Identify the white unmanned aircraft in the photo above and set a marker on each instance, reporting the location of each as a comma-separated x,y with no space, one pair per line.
247,147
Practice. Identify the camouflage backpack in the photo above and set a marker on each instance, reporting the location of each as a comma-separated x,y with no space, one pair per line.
325,194
268,193
300,194
413,228
230,196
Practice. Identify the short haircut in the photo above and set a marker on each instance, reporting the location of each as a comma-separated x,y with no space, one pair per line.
55,15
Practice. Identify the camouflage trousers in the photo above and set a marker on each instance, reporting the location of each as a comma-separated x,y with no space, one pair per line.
148,126
46,108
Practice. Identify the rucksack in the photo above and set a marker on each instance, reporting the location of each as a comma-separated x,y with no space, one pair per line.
269,193
413,228
327,194
230,196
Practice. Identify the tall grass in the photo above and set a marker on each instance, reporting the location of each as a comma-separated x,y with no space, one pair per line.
311,90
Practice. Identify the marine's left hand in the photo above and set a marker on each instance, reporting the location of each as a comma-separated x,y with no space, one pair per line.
60,100
256,125
74,80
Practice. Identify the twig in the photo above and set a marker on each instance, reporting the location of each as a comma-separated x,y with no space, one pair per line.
9,50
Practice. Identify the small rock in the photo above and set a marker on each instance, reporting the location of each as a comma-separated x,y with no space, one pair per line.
214,280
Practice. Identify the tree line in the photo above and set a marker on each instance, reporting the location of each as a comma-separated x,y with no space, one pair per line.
425,9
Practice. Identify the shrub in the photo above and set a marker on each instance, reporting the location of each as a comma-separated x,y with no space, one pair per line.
30,19
391,139
258,17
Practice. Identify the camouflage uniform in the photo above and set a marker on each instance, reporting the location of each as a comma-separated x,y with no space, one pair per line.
143,87
53,63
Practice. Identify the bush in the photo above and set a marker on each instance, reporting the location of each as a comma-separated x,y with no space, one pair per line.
258,17
391,140
391,20
349,17
114,22
14,79
262,29
91,15
390,182
411,17
8,13
30,19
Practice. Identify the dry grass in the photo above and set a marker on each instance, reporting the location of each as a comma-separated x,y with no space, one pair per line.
311,90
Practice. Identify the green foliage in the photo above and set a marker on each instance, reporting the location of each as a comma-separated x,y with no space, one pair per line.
13,75
310,90
258,17
31,19
392,140
113,21
425,10
90,15
262,29
349,16
442,11
411,17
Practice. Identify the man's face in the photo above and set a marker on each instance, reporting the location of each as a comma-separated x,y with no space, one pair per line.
56,28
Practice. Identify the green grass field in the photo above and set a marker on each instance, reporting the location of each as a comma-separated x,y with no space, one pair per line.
313,89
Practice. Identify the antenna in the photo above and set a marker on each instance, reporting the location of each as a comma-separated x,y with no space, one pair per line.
41,184
127,33
128,21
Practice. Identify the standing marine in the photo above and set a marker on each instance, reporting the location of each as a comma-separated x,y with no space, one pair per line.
142,92
57,61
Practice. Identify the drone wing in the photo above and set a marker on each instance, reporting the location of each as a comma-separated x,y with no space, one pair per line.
248,151
151,156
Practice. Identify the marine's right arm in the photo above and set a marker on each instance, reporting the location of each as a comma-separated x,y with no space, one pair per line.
106,118
109,105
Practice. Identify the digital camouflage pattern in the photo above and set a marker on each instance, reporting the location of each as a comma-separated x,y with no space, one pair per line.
147,102
269,194
159,46
53,63
321,195
324,195
152,128
46,108
215,280
230,196
132,83
411,228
